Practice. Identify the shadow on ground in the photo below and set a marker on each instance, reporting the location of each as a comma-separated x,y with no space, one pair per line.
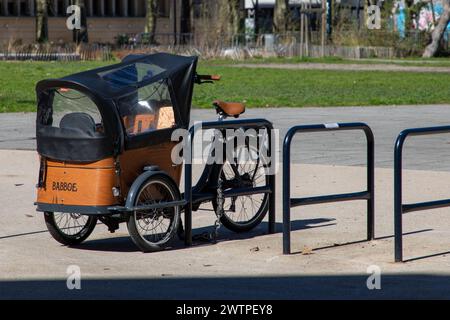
393,286
124,244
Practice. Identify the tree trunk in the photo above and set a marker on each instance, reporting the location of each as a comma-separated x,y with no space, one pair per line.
41,21
150,19
192,16
222,20
236,17
82,34
281,16
438,31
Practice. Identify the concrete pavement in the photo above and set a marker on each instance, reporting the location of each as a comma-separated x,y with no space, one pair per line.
17,131
329,259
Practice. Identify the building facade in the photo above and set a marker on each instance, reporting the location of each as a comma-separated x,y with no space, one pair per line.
106,19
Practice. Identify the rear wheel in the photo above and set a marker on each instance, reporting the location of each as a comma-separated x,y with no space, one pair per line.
69,228
154,229
243,213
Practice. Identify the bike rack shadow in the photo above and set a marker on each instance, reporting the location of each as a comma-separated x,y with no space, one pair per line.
124,244
337,245
22,234
404,234
426,256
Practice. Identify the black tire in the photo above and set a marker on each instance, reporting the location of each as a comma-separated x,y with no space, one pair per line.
260,206
72,221
156,189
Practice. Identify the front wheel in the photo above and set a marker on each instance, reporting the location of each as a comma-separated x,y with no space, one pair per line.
154,229
69,228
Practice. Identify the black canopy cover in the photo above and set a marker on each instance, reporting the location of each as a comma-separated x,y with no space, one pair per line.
105,87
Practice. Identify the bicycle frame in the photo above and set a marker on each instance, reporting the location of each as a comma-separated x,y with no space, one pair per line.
192,197
211,169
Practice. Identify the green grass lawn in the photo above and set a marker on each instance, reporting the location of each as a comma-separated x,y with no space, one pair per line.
18,81
255,87
300,88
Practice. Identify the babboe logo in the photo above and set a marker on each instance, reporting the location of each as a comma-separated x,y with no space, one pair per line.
74,20
374,280
73,277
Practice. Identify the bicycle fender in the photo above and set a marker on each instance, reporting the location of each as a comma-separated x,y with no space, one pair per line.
137,184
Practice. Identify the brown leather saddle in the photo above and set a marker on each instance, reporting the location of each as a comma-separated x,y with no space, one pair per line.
229,109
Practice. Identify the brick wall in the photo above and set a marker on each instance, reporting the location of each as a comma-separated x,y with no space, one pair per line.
102,30
17,28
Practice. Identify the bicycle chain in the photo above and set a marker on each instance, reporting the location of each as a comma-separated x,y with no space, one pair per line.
219,211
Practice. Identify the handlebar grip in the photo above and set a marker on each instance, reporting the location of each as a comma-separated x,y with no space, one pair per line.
214,77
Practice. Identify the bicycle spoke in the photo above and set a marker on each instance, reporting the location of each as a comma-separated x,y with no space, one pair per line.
248,171
71,224
154,225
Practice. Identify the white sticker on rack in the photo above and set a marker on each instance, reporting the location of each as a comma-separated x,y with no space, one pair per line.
331,125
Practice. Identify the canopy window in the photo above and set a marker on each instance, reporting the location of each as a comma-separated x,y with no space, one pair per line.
70,127
148,109
131,74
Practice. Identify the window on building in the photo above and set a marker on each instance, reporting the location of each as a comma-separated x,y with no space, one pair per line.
119,11
51,8
61,8
31,10
131,8
163,8
23,8
136,8
88,5
197,8
141,8
108,8
56,8
97,9
12,9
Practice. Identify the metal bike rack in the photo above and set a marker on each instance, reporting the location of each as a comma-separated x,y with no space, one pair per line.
368,195
270,188
399,207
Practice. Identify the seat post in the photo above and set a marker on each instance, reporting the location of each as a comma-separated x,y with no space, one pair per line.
229,109
220,115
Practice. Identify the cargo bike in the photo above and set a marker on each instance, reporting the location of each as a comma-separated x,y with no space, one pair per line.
104,139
